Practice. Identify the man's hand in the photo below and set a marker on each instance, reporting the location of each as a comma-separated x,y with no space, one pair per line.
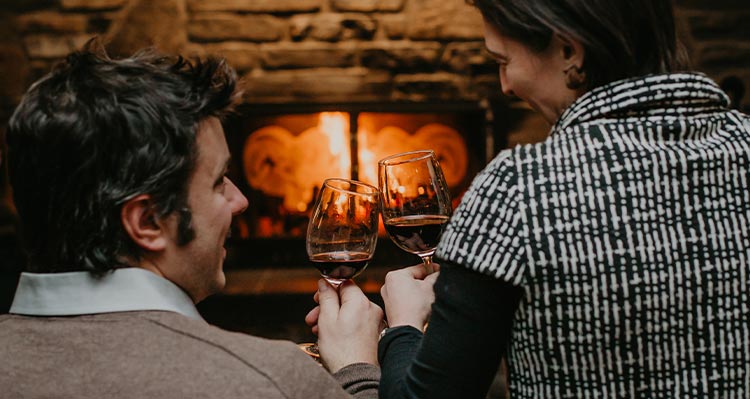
347,325
408,296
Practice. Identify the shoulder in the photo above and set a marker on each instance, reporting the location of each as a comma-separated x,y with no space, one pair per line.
242,346
498,177
281,363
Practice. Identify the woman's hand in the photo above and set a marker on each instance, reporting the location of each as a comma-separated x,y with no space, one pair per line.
347,325
408,296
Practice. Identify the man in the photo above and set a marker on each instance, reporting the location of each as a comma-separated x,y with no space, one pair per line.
118,169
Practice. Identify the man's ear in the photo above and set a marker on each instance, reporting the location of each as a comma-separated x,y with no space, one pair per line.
142,224
571,51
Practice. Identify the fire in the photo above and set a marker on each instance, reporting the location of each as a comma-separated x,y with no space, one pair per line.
335,125
368,162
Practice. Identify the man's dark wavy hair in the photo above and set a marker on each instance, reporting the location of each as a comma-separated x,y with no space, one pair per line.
96,132
622,38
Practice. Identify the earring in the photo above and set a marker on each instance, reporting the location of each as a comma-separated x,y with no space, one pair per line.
575,77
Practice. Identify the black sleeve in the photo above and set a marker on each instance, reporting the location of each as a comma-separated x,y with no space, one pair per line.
458,357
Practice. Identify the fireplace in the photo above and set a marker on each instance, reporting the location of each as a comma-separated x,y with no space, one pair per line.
282,153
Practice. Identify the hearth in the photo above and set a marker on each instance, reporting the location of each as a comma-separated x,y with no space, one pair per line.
282,153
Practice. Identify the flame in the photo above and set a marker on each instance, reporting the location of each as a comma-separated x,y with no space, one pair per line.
368,170
336,126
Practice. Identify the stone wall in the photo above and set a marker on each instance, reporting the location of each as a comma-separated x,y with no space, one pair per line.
334,50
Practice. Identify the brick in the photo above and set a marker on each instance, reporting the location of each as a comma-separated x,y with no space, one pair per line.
332,27
49,21
48,46
429,86
213,27
401,56
443,20
368,5
239,55
265,6
318,85
306,55
91,4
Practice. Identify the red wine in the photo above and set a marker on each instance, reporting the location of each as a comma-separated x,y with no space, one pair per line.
418,234
341,265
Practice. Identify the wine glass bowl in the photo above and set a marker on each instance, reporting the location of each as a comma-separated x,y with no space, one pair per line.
343,231
415,202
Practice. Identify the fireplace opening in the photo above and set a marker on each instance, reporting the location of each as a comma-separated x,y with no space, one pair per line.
282,153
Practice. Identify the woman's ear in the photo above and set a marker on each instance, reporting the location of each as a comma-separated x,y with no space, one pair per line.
142,224
571,51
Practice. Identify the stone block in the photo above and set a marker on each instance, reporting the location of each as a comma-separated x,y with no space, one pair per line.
49,21
318,85
361,27
443,20
367,5
719,25
430,87
92,4
49,46
467,57
265,6
325,27
240,55
307,55
332,27
400,56
142,24
394,26
215,27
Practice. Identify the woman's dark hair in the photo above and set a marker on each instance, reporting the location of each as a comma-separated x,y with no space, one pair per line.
621,38
96,132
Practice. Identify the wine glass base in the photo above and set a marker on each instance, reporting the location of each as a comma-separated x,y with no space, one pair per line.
311,349
335,282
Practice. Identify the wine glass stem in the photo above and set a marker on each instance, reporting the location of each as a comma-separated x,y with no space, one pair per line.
428,264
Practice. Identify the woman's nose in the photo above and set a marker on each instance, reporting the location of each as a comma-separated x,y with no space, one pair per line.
505,84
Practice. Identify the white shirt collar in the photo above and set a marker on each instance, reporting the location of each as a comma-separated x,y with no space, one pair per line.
79,293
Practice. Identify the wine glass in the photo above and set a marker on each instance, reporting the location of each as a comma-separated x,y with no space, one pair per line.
342,233
415,202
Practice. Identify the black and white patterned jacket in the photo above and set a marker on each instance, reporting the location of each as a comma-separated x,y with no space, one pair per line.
629,231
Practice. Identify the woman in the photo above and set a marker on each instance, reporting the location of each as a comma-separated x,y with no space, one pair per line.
609,260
